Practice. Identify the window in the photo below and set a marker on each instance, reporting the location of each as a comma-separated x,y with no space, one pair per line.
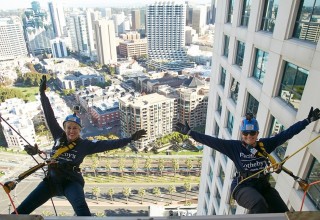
218,196
216,129
221,174
292,84
269,15
313,175
276,128
226,46
223,77
259,69
206,208
208,192
234,89
307,25
245,12
219,108
230,11
253,105
230,122
240,53
210,174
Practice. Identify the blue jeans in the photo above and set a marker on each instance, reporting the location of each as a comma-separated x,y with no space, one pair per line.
72,190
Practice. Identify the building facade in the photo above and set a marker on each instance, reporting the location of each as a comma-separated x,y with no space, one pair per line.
58,19
12,43
266,61
133,48
58,48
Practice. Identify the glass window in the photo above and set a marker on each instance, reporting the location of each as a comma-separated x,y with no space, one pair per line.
208,192
210,174
218,196
223,77
234,89
292,84
226,46
240,53
253,105
269,15
206,208
221,174
216,129
307,26
259,69
219,107
230,11
276,128
230,122
314,175
245,12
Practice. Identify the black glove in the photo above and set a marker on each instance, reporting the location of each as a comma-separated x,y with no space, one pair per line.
43,84
138,134
313,115
183,128
31,150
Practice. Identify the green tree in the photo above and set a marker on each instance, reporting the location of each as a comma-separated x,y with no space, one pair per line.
126,192
96,192
172,189
189,165
121,165
175,165
187,187
161,166
157,192
111,193
142,193
108,166
94,165
135,166
147,165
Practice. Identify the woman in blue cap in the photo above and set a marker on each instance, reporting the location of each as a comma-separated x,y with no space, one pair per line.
64,177
251,191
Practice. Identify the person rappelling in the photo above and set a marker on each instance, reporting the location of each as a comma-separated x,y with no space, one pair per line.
64,177
250,186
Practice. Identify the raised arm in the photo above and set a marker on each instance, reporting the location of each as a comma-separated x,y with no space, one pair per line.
53,125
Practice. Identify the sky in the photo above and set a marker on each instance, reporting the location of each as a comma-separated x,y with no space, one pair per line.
14,4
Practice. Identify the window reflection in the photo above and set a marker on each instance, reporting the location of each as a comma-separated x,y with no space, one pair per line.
230,11
240,53
269,15
245,12
314,175
276,128
260,65
234,89
253,105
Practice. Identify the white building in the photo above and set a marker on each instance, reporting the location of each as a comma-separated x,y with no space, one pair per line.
265,63
12,43
58,19
58,48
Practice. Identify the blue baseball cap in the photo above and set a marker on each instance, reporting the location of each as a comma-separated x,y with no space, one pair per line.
249,123
73,118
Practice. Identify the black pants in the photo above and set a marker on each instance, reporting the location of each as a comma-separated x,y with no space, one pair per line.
259,197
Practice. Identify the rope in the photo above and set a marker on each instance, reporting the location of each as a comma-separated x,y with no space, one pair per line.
305,193
11,201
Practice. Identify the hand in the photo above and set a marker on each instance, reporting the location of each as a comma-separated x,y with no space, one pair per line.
138,134
31,150
183,128
313,115
43,84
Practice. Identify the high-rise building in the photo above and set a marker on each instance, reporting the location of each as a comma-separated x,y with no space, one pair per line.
166,35
154,112
58,48
38,29
199,15
265,64
12,42
135,19
58,19
105,38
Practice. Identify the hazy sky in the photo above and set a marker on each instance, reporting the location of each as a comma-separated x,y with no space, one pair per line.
13,4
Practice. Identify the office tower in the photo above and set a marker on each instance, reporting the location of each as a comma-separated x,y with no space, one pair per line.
12,43
57,18
199,15
38,29
58,47
263,64
106,13
118,19
135,19
166,35
212,15
105,38
155,113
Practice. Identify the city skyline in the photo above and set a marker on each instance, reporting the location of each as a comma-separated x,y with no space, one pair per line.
16,4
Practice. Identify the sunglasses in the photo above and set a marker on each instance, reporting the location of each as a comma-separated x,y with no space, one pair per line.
251,133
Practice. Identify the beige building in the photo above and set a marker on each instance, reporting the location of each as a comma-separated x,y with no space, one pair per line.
133,48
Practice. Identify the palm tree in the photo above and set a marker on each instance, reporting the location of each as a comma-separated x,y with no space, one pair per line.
142,193
108,166
111,193
121,165
175,165
187,187
161,166
147,165
156,191
96,191
135,166
126,192
189,165
94,165
172,189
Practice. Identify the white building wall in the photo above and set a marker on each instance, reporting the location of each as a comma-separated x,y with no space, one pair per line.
281,48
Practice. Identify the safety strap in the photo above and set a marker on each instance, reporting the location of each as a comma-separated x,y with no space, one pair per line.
63,149
264,153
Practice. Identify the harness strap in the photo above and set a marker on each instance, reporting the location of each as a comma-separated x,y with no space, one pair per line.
277,168
63,149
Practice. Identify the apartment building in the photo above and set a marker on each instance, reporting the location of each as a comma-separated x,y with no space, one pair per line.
133,48
155,113
266,61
